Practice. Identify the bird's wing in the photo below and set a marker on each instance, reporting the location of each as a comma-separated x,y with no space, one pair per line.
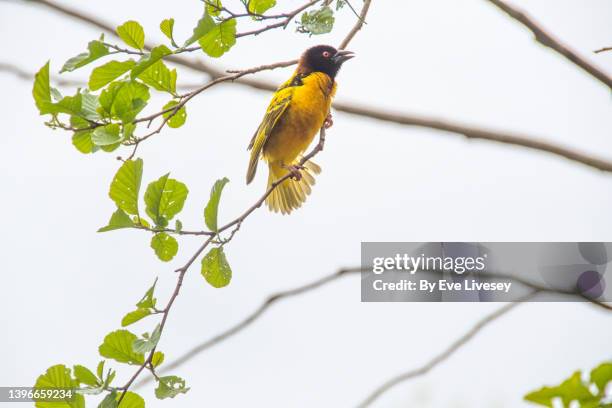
280,102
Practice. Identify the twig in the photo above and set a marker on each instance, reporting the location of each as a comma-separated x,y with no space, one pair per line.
604,49
444,355
358,25
28,76
173,231
548,40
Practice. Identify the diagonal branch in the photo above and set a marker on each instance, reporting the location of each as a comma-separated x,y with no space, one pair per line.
256,314
548,40
604,49
442,356
472,132
273,298
358,25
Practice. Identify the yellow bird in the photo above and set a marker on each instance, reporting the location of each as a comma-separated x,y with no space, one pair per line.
299,108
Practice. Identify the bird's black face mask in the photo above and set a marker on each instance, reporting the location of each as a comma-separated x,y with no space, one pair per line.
324,58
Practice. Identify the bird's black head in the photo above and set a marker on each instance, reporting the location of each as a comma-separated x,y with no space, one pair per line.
323,58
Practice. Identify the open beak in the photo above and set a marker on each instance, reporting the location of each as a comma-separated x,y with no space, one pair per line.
342,56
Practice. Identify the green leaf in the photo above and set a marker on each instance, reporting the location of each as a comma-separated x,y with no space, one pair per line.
178,225
164,199
110,401
146,61
107,135
148,301
170,386
213,7
160,77
100,369
123,100
134,316
70,105
219,39
601,376
130,100
205,24
165,246
167,27
42,90
85,376
572,389
132,33
95,50
118,346
147,344
215,268
157,359
316,22
58,376
126,185
56,95
118,220
178,119
89,105
82,141
107,73
132,400
261,6
212,208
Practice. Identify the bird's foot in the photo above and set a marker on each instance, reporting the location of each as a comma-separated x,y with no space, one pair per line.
295,171
329,121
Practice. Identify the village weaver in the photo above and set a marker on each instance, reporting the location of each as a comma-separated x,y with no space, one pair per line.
299,108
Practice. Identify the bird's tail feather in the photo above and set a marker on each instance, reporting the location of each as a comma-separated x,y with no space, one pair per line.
290,194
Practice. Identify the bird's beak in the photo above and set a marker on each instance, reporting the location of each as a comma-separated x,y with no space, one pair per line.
342,56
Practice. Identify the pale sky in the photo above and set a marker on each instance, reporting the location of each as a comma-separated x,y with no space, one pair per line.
66,286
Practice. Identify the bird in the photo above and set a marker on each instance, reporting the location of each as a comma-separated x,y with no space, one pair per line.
300,107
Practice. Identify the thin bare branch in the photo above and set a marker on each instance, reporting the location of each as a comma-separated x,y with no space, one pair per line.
604,49
444,355
548,40
28,76
472,132
253,316
360,22
301,289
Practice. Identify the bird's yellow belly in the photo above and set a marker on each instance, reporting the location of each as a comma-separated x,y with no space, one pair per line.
300,123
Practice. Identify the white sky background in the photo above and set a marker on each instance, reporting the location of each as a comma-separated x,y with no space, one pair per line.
65,286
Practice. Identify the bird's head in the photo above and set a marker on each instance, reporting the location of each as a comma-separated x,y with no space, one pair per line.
323,58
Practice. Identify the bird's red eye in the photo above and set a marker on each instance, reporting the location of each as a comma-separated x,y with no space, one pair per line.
326,54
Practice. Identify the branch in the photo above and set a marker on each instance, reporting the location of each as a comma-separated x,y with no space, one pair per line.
548,40
604,49
371,112
28,76
316,284
254,315
472,132
235,224
444,355
358,25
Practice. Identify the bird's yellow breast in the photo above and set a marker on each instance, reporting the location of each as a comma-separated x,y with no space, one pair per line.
297,127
